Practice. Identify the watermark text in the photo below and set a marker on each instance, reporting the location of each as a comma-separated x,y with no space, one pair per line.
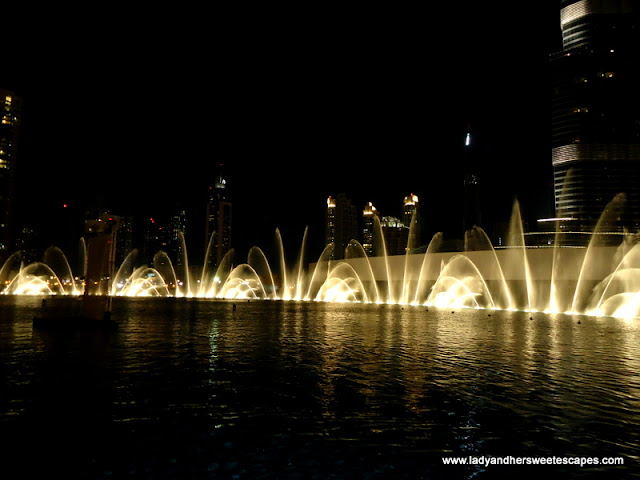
486,460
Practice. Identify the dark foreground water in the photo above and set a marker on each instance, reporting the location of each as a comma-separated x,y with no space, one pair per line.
191,389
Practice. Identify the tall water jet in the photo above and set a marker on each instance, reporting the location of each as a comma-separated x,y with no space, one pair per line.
320,272
292,291
299,287
355,250
162,264
10,269
516,262
408,280
557,263
592,261
124,272
616,290
285,292
207,277
428,270
258,261
82,257
57,261
381,251
222,273
477,240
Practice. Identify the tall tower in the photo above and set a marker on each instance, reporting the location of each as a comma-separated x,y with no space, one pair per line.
10,108
218,217
368,228
411,219
341,224
471,194
596,111
396,235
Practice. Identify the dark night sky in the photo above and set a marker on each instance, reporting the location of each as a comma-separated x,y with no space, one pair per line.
297,104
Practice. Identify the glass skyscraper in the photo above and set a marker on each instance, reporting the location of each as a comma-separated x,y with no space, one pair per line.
596,112
10,108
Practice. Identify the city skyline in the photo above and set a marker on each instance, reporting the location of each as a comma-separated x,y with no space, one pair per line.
328,117
457,337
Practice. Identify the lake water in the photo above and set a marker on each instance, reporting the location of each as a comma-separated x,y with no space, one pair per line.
193,389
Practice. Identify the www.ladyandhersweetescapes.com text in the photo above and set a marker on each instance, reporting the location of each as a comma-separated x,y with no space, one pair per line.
550,460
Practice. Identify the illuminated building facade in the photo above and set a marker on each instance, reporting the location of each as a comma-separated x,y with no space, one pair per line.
218,218
124,239
411,219
177,233
596,112
369,216
10,108
341,224
396,235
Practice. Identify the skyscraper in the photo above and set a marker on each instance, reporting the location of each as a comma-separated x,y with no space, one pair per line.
218,218
10,107
396,235
411,219
369,216
596,111
471,215
341,224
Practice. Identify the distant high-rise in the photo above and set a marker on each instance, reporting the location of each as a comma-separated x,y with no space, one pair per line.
124,239
596,111
411,219
177,233
10,108
471,215
396,235
218,218
341,224
369,216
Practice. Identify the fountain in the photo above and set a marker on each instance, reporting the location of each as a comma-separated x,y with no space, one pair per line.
596,280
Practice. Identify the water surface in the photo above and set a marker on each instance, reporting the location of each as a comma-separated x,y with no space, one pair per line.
196,389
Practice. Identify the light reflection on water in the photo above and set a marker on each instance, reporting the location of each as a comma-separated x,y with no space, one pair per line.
194,389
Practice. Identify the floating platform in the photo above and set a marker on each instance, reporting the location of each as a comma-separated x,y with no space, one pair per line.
75,313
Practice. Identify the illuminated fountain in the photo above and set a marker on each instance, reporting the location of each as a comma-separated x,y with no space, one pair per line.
597,280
